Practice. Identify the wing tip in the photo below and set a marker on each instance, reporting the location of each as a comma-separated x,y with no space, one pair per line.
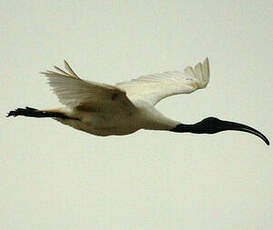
70,70
205,72
200,72
60,72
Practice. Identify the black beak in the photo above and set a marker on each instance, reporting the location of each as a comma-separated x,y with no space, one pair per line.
228,125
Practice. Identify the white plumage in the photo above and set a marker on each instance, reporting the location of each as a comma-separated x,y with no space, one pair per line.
127,107
155,87
103,109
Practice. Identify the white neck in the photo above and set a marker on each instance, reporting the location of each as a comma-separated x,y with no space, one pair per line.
154,120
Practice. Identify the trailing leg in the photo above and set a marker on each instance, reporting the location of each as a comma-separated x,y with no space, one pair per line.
31,112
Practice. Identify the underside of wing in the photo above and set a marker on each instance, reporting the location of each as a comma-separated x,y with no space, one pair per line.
86,95
153,88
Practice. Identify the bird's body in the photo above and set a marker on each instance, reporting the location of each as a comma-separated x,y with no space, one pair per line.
126,107
104,110
143,116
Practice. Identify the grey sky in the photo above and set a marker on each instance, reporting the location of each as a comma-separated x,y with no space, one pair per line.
54,177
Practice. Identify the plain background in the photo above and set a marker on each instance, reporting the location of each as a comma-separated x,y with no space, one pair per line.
54,177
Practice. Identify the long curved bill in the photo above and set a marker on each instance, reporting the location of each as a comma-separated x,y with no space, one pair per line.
229,125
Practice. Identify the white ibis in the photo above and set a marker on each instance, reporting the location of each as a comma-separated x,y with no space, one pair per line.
103,110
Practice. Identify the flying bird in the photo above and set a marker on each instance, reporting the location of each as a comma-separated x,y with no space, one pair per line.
104,110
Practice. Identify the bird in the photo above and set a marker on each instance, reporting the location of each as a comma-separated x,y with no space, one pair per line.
102,109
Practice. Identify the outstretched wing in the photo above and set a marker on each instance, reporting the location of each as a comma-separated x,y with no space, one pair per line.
86,95
153,88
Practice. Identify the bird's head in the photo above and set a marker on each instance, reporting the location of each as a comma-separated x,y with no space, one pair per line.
210,125
213,125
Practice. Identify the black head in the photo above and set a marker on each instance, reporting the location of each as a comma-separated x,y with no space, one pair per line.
213,125
210,125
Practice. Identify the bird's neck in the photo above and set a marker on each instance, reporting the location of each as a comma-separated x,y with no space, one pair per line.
190,128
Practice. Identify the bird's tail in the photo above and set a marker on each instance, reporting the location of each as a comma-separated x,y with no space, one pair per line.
31,112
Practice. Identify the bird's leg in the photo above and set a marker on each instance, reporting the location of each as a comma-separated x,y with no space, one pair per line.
31,112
